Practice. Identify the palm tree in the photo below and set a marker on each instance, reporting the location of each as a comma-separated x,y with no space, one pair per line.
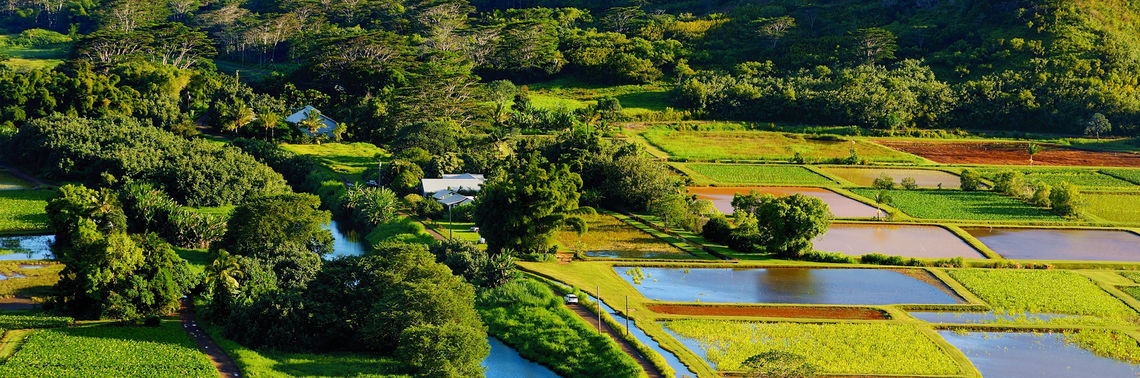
881,198
224,272
312,122
1032,149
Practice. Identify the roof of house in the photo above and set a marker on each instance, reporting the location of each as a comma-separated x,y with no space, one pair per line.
463,176
472,182
302,114
456,199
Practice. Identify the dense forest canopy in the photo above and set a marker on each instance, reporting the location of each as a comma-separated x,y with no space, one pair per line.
377,66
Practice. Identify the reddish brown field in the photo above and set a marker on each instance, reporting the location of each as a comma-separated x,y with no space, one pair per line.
773,312
1007,153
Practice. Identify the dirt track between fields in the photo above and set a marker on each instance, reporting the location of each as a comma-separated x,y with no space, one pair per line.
1011,153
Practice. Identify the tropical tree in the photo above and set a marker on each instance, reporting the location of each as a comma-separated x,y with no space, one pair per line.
312,123
1098,125
1067,200
882,197
1032,149
520,209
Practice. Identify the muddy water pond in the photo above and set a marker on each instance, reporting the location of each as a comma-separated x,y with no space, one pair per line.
788,285
840,205
925,178
505,362
895,240
32,247
1000,354
346,242
1046,244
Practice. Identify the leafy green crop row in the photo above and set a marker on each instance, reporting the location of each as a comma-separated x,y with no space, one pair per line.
834,348
1114,207
1041,291
1075,176
1131,175
23,210
9,321
1111,344
760,174
107,351
954,204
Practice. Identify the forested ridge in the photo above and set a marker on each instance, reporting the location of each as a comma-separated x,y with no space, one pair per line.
1038,66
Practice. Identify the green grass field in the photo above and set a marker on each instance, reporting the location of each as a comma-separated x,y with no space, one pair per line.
275,364
1041,291
1076,176
349,159
1130,175
764,145
959,205
110,351
759,174
22,58
23,210
869,348
606,233
636,99
1114,207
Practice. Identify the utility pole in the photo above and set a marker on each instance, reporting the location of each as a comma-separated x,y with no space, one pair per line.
627,315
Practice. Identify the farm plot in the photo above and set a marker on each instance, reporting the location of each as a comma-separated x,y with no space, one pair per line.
1114,207
608,236
23,210
1053,176
1024,354
345,159
959,205
925,178
750,174
832,348
1009,153
109,351
1041,291
765,145
1130,175
840,205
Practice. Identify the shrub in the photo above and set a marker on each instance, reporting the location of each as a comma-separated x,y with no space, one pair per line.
883,182
909,183
970,180
827,257
1010,183
1041,195
1066,200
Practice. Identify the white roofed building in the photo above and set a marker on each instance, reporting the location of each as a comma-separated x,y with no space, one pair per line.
446,190
327,129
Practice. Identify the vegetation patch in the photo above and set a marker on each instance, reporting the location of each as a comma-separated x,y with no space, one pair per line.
165,350
609,234
528,316
1130,175
1041,291
352,159
29,281
23,210
1055,176
1107,343
765,145
1114,207
760,174
274,364
865,348
960,205
33,320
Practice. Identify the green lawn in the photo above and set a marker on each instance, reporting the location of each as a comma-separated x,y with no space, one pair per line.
349,159
868,348
459,230
571,93
269,363
721,142
1076,176
35,283
23,210
759,174
110,351
606,233
1041,291
1114,207
959,205
31,58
